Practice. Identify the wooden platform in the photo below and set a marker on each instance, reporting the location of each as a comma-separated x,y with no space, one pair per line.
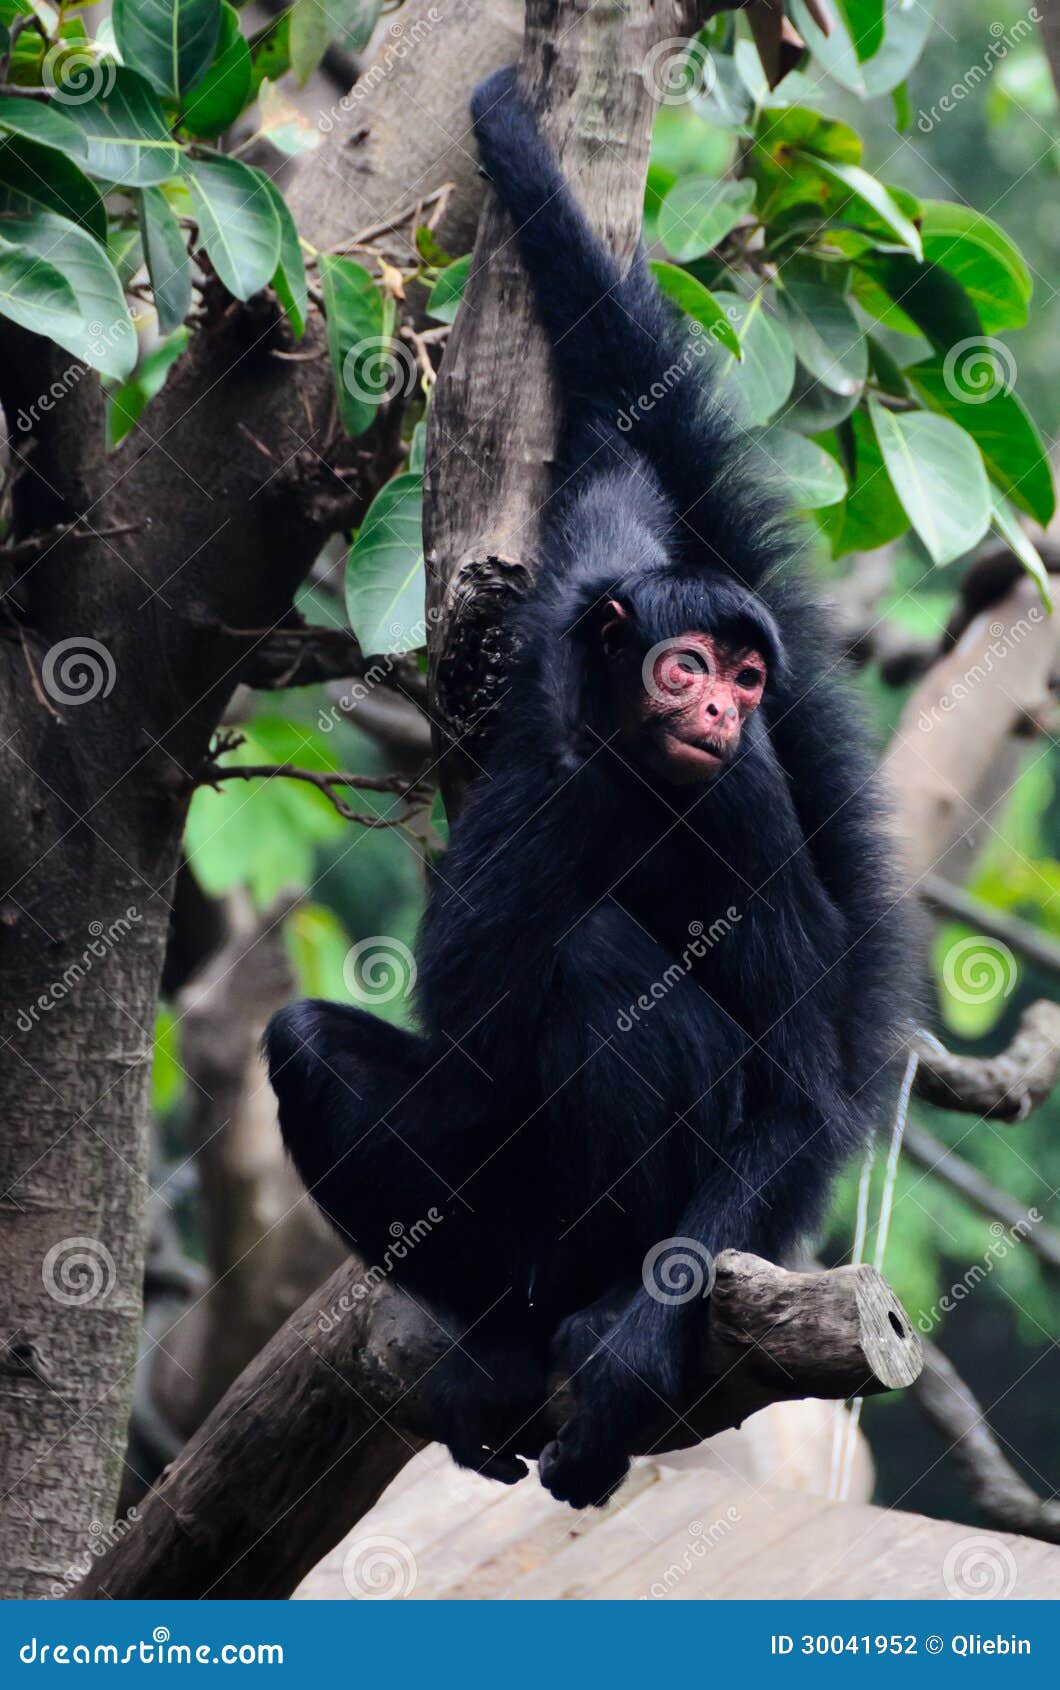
689,1527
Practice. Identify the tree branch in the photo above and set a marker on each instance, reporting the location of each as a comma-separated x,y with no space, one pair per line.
1005,1498
1000,1088
1031,942
322,1419
976,1189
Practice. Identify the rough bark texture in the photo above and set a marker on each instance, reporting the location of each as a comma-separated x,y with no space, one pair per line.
594,99
319,1423
191,529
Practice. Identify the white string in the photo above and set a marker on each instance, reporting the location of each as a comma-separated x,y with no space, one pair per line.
861,1227
883,1227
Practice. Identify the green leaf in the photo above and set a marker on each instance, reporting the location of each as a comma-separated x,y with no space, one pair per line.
825,334
102,333
866,190
697,302
309,38
217,100
813,407
125,135
699,211
975,393
903,109
756,388
34,295
288,129
778,161
166,256
980,256
359,341
871,514
808,476
238,224
928,298
167,1072
351,22
128,402
270,51
385,581
289,280
43,124
938,474
864,24
418,448
36,178
448,290
171,42
1005,524
317,946
905,30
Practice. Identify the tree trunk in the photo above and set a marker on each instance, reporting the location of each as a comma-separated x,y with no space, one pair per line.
193,528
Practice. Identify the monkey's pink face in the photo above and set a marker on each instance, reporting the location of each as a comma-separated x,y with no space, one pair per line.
699,692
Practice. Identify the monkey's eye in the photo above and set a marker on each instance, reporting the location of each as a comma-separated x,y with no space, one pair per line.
750,678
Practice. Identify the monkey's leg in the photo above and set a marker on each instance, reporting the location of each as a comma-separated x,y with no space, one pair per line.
391,1137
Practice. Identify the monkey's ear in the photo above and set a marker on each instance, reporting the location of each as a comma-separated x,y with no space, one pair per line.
616,626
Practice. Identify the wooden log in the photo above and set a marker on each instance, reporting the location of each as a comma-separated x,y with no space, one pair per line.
1001,1088
323,1418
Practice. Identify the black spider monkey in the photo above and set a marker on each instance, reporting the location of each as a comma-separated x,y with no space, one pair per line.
657,975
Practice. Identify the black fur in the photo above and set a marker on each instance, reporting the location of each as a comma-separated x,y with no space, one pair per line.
602,1065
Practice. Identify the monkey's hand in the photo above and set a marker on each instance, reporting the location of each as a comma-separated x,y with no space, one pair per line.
582,1465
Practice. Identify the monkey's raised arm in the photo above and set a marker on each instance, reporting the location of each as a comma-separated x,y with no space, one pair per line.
612,334
634,376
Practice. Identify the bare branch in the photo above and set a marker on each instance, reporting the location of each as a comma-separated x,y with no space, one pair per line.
416,793
976,1189
945,898
1004,1497
1000,1088
321,1420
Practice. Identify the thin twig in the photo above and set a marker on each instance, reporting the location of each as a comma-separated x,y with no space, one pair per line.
1031,942
416,793
937,1159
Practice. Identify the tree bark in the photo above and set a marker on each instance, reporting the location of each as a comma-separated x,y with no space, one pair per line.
191,529
321,1421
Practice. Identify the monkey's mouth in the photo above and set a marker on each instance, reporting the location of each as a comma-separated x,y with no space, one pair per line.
690,760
